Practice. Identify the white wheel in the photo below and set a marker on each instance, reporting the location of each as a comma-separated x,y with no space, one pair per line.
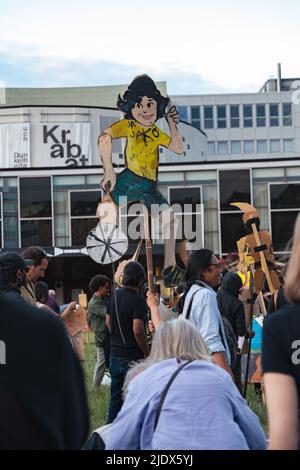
106,243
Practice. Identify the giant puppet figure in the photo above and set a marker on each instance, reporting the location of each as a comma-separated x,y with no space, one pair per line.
257,257
256,250
142,104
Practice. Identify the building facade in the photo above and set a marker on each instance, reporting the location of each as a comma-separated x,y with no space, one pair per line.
237,147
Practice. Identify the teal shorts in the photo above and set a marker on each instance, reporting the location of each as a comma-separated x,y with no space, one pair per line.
137,189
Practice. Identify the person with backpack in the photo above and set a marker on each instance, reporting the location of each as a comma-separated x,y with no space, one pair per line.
233,316
200,304
126,319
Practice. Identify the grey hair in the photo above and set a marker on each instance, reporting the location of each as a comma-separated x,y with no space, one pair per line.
177,338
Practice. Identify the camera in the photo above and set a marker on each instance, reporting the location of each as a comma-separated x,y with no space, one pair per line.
146,288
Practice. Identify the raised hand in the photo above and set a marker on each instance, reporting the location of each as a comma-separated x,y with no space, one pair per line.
173,116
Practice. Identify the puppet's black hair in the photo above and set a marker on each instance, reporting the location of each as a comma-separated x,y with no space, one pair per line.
141,86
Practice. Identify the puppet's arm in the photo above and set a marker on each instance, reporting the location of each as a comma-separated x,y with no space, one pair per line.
175,144
105,151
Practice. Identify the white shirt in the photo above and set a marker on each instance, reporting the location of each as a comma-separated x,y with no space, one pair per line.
206,317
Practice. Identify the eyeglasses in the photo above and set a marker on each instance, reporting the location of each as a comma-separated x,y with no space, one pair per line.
216,264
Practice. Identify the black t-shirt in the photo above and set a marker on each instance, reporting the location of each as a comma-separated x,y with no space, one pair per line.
130,306
281,343
43,403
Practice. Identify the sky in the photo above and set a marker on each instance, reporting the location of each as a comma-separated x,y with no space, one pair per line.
198,47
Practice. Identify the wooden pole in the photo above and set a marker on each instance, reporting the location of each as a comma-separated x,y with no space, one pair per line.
263,259
148,244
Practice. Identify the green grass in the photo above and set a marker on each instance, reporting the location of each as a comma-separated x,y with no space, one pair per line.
98,400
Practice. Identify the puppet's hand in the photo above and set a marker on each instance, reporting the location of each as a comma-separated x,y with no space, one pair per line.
109,181
173,116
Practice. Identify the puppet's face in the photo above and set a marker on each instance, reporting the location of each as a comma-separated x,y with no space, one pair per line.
145,112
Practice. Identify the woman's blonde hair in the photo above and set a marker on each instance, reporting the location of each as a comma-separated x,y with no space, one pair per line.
177,338
292,282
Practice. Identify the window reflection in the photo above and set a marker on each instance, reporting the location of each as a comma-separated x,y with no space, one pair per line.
84,203
80,229
36,232
234,187
285,196
282,229
35,197
232,229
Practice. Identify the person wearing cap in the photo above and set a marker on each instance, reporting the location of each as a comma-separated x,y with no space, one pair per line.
13,270
37,271
126,318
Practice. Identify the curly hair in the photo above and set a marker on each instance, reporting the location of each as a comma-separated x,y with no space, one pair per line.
141,86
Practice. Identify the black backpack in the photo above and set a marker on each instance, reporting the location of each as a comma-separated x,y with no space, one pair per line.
231,340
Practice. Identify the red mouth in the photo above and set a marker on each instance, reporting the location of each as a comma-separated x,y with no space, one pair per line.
147,117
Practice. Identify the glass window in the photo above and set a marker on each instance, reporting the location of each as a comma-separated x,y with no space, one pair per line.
234,187
282,229
189,200
35,197
287,114
260,115
208,117
207,177
171,177
268,174
235,147
262,146
84,203
92,181
36,232
80,229
232,229
195,114
222,148
247,114
248,147
275,146
288,145
182,110
221,115
274,115
69,181
185,196
211,148
234,116
285,196
61,226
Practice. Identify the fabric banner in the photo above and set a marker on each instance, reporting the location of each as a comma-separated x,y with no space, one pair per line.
15,145
66,144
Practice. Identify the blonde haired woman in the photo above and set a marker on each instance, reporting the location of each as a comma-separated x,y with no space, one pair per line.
281,359
201,408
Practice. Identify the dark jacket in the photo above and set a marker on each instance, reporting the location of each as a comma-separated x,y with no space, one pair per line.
96,315
230,305
43,403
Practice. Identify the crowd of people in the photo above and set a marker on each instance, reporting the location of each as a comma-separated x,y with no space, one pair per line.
180,390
